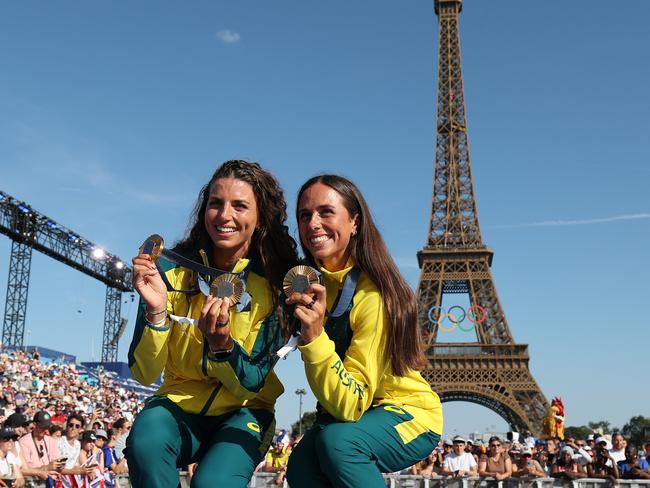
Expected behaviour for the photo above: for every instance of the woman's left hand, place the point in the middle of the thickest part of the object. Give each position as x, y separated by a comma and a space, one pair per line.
310, 310
215, 322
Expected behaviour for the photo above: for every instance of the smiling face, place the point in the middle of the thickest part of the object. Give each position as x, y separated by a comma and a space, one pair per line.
230, 219
459, 448
618, 442
326, 226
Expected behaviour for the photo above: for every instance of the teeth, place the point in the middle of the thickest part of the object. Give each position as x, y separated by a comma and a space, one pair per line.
225, 229
319, 239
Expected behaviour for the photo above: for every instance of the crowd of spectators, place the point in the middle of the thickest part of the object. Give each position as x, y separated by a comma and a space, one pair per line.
60, 425
69, 428
598, 456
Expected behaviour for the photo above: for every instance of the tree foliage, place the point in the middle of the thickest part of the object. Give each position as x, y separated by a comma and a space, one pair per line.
637, 430
308, 419
602, 425
577, 432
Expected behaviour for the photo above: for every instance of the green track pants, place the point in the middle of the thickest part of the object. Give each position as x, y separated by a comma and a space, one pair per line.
228, 447
354, 454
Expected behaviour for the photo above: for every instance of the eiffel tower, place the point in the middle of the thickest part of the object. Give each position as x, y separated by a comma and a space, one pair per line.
493, 371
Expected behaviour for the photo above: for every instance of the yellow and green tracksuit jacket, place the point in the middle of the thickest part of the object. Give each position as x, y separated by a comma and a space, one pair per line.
348, 367
195, 382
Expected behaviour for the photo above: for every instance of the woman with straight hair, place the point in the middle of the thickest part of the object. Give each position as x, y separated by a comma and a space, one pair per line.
216, 403
360, 344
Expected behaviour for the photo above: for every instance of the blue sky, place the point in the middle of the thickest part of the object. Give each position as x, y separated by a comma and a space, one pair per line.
113, 115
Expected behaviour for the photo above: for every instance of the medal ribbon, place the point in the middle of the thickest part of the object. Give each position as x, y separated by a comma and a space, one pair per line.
202, 270
342, 303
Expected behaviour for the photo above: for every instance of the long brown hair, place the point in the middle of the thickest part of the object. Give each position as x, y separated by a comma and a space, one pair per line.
271, 240
369, 252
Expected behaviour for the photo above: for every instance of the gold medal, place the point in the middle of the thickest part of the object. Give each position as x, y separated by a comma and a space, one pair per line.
299, 278
153, 246
228, 286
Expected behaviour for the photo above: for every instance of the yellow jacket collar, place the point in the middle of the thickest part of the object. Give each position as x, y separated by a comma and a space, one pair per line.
240, 265
338, 276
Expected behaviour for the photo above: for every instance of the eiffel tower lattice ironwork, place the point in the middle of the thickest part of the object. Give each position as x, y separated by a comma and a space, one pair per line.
493, 371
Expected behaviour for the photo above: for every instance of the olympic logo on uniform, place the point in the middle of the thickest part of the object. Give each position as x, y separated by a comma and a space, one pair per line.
475, 314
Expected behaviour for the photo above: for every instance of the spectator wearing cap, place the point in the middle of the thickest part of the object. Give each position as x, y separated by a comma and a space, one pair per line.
591, 440
496, 463
459, 462
526, 466
91, 458
447, 448
278, 456
39, 450
565, 467
102, 438
9, 463
602, 465
18, 422
582, 452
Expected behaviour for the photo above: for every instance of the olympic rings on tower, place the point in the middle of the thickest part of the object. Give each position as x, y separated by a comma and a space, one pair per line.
475, 313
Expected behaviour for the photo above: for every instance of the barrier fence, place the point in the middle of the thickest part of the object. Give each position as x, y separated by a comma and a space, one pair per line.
266, 480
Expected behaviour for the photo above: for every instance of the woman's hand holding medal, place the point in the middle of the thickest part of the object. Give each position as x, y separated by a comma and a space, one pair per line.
214, 323
310, 310
151, 287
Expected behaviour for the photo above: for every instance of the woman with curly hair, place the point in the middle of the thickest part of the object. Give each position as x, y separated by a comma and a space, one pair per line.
360, 345
215, 405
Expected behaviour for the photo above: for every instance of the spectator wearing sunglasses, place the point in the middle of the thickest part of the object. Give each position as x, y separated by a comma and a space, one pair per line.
496, 463
40, 452
69, 445
9, 464
527, 467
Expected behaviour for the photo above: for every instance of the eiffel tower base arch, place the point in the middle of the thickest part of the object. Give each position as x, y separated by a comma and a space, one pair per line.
494, 376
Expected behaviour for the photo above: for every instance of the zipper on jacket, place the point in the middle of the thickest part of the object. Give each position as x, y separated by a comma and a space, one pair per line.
207, 405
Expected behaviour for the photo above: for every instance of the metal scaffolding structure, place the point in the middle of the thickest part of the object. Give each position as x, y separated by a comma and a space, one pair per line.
17, 288
29, 229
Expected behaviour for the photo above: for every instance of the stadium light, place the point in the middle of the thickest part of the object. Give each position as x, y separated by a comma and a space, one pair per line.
99, 253
119, 265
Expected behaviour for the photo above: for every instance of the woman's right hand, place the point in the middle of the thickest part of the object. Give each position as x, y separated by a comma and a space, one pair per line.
148, 283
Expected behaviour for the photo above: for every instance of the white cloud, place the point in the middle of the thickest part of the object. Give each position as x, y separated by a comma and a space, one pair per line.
556, 223
228, 37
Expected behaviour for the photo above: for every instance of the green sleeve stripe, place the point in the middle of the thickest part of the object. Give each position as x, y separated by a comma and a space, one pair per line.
140, 324
252, 369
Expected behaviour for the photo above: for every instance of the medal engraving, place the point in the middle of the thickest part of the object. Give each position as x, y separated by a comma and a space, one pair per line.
299, 278
228, 286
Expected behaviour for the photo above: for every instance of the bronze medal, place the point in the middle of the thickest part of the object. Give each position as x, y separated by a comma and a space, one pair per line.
299, 278
228, 286
153, 246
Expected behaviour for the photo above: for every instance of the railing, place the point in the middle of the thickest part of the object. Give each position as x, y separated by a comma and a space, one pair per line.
478, 350
267, 480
